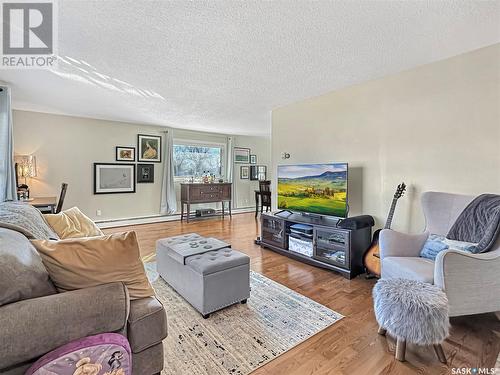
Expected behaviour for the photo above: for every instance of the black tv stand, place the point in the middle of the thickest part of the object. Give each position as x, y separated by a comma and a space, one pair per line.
333, 248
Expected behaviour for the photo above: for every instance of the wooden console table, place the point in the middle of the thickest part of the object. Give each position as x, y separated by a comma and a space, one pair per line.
194, 193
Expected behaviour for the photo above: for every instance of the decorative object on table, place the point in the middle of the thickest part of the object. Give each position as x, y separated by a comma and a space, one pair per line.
25, 166
244, 172
253, 159
412, 311
124, 153
149, 148
108, 352
114, 178
145, 173
219, 346
371, 259
241, 155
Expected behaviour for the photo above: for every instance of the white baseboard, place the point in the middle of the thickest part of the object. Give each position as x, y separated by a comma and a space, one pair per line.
153, 219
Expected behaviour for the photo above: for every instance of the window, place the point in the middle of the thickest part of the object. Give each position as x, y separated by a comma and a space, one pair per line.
193, 159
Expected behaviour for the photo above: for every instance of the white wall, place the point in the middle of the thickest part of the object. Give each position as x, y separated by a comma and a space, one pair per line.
436, 127
66, 148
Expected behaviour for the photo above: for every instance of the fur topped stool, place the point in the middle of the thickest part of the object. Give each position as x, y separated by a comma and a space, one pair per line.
412, 311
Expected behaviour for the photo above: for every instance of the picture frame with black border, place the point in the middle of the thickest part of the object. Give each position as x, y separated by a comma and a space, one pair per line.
114, 178
244, 172
253, 159
125, 153
145, 173
149, 148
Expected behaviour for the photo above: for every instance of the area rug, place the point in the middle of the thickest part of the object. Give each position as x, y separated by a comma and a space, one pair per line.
241, 338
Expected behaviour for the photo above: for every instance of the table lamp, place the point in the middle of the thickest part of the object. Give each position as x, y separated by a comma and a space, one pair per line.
25, 168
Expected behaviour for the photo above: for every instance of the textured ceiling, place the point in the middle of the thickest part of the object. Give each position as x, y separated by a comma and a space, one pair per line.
224, 65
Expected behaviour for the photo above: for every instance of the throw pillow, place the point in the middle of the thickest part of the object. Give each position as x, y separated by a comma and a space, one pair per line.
73, 223
437, 243
25, 219
78, 263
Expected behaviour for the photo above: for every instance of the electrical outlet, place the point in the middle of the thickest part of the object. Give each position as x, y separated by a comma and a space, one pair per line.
98, 213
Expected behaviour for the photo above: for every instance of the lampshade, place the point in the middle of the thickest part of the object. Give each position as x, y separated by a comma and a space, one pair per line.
26, 165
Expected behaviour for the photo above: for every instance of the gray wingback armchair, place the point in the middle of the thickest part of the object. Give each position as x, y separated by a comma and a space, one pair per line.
470, 281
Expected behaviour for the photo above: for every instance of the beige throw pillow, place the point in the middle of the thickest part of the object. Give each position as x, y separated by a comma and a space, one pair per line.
85, 262
72, 223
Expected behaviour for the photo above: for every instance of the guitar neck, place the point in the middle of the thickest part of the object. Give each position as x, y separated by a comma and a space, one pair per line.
391, 214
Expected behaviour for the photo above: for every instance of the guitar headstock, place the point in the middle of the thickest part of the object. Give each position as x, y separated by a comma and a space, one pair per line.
400, 190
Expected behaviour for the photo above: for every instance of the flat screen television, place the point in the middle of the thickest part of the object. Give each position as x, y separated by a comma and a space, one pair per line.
313, 188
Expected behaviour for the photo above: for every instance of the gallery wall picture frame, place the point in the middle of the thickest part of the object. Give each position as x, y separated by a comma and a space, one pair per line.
241, 155
145, 173
149, 148
253, 159
244, 172
114, 178
125, 153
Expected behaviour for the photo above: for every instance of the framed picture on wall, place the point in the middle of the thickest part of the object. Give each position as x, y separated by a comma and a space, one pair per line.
244, 172
124, 153
149, 148
145, 173
261, 173
114, 178
253, 159
241, 155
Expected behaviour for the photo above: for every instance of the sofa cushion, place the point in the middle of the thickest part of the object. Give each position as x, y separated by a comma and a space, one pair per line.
22, 274
72, 223
25, 219
413, 268
78, 263
215, 261
147, 323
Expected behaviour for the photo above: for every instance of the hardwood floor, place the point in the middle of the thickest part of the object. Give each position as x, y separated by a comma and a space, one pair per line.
351, 346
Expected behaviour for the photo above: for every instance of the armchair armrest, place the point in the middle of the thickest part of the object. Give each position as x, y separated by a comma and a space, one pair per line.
397, 244
33, 327
470, 281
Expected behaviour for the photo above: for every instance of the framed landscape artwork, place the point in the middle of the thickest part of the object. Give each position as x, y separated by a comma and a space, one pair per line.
114, 178
244, 172
241, 155
149, 148
145, 173
124, 153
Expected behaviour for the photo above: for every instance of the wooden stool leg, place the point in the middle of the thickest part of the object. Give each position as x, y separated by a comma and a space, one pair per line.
440, 353
382, 331
400, 350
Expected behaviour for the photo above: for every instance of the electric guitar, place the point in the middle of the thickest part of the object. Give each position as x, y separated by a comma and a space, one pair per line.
371, 259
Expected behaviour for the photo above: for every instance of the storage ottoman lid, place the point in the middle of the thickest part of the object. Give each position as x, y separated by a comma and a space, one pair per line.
215, 261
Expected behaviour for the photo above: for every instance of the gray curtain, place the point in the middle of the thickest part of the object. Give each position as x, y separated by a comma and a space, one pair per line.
8, 188
168, 204
229, 159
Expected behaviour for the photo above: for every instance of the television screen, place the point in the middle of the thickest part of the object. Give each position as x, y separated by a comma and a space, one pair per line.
313, 188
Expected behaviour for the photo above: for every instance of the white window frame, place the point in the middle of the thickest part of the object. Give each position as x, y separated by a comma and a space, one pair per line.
197, 142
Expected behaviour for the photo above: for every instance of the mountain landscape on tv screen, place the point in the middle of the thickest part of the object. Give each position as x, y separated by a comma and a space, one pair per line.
323, 193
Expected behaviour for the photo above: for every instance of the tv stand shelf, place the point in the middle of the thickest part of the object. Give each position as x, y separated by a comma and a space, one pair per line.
333, 248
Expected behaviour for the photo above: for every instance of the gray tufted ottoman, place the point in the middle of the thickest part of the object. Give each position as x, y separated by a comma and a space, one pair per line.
412, 311
209, 280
